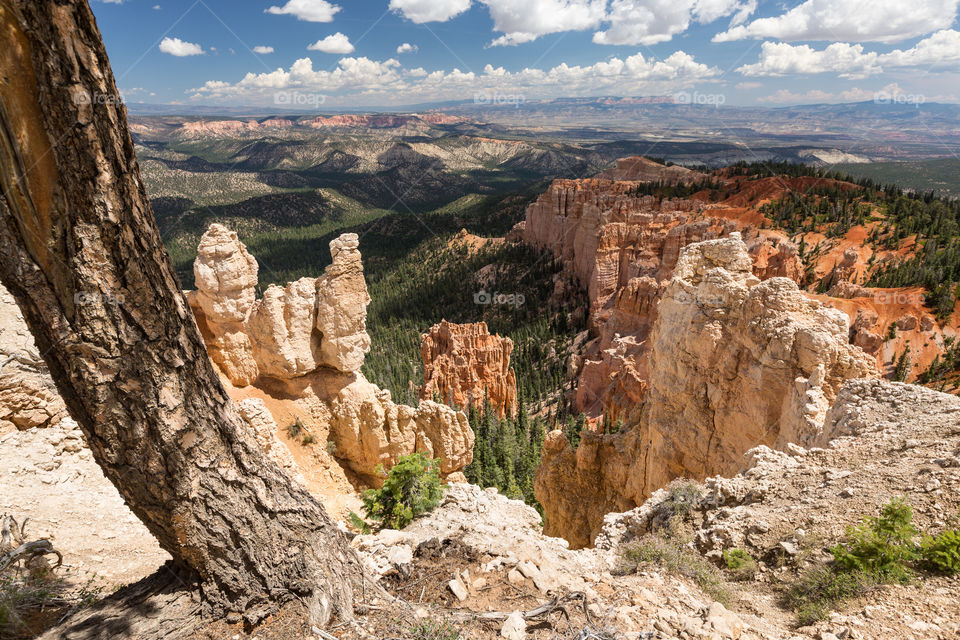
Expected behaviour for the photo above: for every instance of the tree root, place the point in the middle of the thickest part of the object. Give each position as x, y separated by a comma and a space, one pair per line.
162, 606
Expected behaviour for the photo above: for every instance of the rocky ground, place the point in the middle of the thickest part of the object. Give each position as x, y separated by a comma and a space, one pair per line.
49, 476
479, 563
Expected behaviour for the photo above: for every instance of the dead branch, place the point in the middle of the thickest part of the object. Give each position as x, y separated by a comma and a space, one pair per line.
28, 551
416, 582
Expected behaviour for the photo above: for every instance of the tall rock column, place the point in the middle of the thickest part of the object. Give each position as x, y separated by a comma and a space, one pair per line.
226, 279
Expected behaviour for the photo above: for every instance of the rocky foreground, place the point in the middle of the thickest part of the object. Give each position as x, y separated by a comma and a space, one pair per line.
784, 509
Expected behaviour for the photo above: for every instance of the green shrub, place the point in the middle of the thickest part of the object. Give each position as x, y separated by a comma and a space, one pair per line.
358, 523
881, 547
821, 588
682, 497
941, 553
433, 630
667, 551
412, 487
739, 563
294, 429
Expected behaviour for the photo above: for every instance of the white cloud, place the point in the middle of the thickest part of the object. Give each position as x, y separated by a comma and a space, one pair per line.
309, 10
941, 49
785, 96
156, 7
527, 20
262, 49
179, 48
383, 82
653, 21
406, 47
335, 43
780, 58
853, 94
420, 11
853, 20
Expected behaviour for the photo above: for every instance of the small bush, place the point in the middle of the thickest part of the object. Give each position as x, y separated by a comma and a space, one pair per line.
941, 553
881, 546
307, 439
682, 497
820, 589
880, 550
331, 447
295, 429
433, 630
678, 559
358, 523
412, 487
739, 563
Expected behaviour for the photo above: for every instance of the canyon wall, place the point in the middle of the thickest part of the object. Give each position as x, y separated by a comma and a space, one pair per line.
622, 248
299, 350
734, 362
463, 365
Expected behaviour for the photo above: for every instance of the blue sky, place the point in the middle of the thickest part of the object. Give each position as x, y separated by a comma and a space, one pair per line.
333, 54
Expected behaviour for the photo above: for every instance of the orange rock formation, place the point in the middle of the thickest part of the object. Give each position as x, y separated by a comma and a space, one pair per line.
464, 365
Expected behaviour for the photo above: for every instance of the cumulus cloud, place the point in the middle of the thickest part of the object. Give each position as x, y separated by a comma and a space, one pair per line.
653, 21
780, 58
941, 49
386, 81
262, 49
335, 43
421, 11
628, 21
308, 10
179, 48
406, 47
853, 20
528, 20
785, 96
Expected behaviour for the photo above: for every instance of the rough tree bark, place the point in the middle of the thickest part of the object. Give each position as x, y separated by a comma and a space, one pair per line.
81, 252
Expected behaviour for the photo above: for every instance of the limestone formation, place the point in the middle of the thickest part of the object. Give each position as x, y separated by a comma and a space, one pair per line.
342, 301
225, 275
282, 328
28, 397
304, 345
463, 365
226, 280
734, 363
292, 330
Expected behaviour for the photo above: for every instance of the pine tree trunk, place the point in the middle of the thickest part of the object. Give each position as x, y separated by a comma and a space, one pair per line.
81, 252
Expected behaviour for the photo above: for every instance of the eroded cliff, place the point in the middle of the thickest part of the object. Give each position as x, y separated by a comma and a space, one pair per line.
734, 363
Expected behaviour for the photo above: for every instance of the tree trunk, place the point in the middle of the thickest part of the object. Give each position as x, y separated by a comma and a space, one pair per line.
81, 252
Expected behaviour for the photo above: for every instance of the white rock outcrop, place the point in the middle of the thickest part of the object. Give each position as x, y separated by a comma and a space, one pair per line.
305, 343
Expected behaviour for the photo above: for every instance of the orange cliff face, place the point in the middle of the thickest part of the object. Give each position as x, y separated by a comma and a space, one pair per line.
622, 247
463, 365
